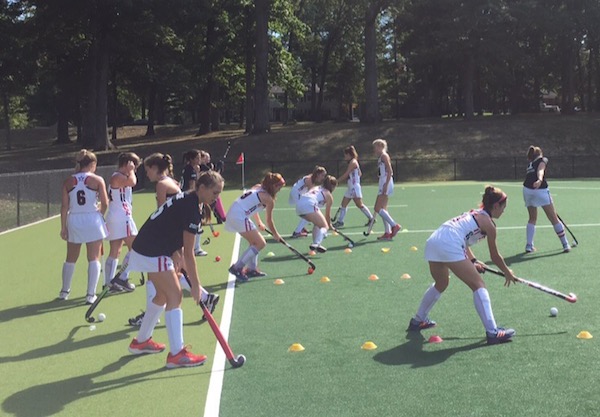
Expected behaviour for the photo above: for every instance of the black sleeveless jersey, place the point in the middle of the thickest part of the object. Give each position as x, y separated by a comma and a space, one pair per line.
531, 175
162, 234
187, 174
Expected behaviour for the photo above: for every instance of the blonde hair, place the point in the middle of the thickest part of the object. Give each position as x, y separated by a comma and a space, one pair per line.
84, 158
318, 170
209, 179
491, 196
382, 143
330, 183
534, 152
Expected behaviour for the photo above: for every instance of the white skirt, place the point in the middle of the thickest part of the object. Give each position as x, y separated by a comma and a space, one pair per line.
353, 191
86, 227
120, 226
390, 187
237, 222
537, 197
141, 263
445, 245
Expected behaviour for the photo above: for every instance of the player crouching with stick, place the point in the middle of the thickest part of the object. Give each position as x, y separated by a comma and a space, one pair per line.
308, 207
172, 226
448, 248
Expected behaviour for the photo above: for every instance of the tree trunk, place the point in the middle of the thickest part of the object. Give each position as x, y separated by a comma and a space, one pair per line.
313, 94
249, 64
568, 79
261, 85
469, 79
151, 110
115, 104
323, 74
6, 105
371, 90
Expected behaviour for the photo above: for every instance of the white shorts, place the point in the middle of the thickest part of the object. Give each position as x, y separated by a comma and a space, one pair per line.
537, 198
445, 245
120, 227
238, 222
306, 206
86, 227
353, 191
141, 263
390, 187
295, 194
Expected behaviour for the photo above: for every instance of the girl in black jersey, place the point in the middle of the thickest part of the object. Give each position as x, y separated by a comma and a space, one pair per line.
189, 174
536, 194
172, 226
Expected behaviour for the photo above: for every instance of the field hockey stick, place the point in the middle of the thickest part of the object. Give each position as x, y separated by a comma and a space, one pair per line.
227, 150
334, 218
370, 227
235, 361
575, 242
290, 247
571, 298
346, 238
116, 280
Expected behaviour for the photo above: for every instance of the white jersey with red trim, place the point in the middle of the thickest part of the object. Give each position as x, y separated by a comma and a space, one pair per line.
467, 227
120, 199
81, 198
354, 176
249, 203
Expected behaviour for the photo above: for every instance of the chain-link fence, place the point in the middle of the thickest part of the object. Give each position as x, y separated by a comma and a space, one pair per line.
30, 196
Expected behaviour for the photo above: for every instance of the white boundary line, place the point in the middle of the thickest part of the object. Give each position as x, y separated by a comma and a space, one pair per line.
29, 224
349, 207
215, 385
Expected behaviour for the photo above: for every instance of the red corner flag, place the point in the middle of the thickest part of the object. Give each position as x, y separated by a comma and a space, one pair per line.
240, 159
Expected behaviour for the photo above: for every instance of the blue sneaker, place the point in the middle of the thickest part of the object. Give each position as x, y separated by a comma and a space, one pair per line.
239, 274
416, 325
500, 335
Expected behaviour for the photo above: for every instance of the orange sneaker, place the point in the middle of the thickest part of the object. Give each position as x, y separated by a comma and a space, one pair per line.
184, 359
385, 236
395, 230
149, 346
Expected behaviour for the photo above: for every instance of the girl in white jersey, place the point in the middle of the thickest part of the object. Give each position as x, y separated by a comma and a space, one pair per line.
82, 222
354, 190
449, 249
386, 189
260, 197
308, 208
119, 219
302, 186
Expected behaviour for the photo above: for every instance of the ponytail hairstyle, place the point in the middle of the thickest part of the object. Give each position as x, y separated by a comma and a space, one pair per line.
125, 157
382, 143
163, 162
271, 181
534, 152
190, 155
84, 159
491, 196
351, 150
209, 179
317, 172
330, 183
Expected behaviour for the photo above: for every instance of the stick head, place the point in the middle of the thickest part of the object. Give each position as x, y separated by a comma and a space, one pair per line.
310, 270
238, 361
350, 245
572, 298
90, 319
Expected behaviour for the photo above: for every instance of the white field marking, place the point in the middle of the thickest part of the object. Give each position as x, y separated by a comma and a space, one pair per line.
215, 385
551, 187
30, 224
349, 207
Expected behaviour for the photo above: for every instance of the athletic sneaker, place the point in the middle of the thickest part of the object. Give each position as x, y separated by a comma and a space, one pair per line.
123, 283
396, 229
211, 302
385, 236
500, 335
184, 359
566, 248
338, 224
372, 219
318, 248
239, 274
63, 295
302, 233
149, 346
113, 288
416, 325
200, 253
254, 273
305, 231
137, 320
90, 298
529, 248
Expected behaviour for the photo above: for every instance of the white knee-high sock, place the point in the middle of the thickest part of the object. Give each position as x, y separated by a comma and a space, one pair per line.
150, 292
318, 235
342, 215
67, 276
429, 299
386, 217
560, 232
125, 273
246, 257
174, 322
483, 305
153, 312
110, 269
93, 276
301, 225
366, 212
530, 233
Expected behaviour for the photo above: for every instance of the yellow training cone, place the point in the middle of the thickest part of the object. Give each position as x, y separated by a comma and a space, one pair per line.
414, 248
270, 254
584, 335
325, 279
347, 250
312, 253
405, 276
369, 346
335, 233
279, 281
385, 250
296, 347
373, 277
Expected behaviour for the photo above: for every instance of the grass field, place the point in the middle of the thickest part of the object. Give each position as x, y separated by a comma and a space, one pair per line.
53, 364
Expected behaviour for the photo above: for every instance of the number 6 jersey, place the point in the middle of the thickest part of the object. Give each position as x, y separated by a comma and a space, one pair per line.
81, 198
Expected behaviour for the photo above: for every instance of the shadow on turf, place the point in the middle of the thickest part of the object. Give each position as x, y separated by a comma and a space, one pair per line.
412, 353
524, 257
52, 397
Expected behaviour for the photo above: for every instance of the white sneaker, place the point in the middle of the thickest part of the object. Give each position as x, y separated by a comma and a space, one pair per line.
63, 295
90, 298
